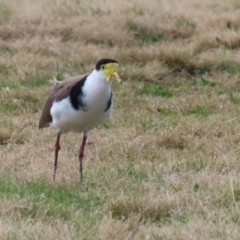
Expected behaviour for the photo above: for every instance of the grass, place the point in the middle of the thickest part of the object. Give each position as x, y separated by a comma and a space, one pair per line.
155, 90
165, 165
143, 34
45, 201
5, 12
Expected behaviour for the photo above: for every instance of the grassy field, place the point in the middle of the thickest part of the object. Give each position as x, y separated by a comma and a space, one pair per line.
166, 164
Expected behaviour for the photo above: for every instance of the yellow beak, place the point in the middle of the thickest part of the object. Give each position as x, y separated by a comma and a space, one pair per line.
111, 72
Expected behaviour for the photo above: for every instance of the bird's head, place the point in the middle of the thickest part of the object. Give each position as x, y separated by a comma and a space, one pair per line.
110, 68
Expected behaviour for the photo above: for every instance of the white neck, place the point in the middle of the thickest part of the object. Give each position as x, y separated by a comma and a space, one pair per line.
98, 77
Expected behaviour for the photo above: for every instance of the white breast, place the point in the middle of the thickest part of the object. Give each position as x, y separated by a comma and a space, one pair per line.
97, 93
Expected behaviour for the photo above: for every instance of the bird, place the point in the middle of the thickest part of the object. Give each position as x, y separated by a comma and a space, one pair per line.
79, 104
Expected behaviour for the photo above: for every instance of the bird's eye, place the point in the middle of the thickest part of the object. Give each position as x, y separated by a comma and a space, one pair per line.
102, 67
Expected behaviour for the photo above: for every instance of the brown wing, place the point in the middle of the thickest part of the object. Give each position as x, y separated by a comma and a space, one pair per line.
60, 91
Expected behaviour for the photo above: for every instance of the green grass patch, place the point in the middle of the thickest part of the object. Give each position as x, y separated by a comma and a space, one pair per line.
143, 34
66, 34
5, 12
183, 22
125, 209
43, 200
199, 162
9, 108
8, 82
29, 82
205, 82
160, 214
156, 90
35, 81
59, 76
7, 51
139, 10
231, 68
140, 175
101, 41
227, 196
196, 187
107, 124
96, 11
227, 45
200, 110
167, 112
232, 97
4, 69
236, 218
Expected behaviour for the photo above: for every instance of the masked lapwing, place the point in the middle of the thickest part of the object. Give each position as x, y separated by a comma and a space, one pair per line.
79, 104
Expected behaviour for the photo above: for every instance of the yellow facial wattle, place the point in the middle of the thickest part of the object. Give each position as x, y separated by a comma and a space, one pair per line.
110, 70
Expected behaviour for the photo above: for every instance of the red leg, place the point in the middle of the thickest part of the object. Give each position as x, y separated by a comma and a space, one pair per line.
81, 155
57, 148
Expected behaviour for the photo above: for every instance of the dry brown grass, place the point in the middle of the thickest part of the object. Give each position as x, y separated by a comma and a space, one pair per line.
166, 163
